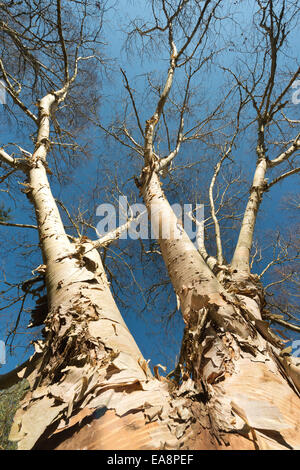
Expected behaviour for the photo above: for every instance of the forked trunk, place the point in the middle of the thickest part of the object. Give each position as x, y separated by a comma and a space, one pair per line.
248, 387
90, 387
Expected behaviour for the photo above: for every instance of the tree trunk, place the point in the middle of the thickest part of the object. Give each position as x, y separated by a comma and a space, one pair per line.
90, 387
249, 387
89, 362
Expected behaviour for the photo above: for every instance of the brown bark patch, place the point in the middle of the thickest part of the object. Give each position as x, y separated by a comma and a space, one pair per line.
109, 432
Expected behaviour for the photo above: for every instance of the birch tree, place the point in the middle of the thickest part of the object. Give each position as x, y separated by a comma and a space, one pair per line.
89, 385
229, 353
84, 328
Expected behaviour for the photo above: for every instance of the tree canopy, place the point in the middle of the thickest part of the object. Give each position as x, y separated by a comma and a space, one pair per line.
131, 107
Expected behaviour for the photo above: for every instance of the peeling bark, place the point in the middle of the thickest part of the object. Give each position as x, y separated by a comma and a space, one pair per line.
249, 392
89, 361
90, 387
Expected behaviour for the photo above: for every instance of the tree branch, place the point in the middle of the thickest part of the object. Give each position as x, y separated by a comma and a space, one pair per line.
133, 102
285, 155
284, 175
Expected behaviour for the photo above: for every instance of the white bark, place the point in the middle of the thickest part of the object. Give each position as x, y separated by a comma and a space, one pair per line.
85, 332
227, 348
213, 212
241, 257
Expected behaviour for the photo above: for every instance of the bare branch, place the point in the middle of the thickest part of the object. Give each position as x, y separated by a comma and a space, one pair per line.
14, 94
10, 224
212, 208
278, 319
284, 175
115, 234
287, 154
16, 163
62, 41
133, 102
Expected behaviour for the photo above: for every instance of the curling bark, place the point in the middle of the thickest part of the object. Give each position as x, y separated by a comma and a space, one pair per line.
89, 367
231, 360
229, 356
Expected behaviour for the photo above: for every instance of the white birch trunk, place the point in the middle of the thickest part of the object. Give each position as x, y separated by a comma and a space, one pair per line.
233, 358
241, 255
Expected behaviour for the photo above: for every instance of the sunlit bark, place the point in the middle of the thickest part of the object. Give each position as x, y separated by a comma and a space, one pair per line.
90, 387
